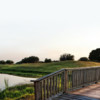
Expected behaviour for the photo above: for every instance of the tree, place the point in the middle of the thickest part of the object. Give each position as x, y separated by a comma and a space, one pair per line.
9, 62
47, 60
31, 59
83, 59
65, 57
95, 55
2, 62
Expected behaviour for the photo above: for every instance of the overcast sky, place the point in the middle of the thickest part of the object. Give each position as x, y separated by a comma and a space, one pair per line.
48, 28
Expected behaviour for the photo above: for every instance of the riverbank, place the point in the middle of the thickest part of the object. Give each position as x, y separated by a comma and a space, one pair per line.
37, 70
19, 92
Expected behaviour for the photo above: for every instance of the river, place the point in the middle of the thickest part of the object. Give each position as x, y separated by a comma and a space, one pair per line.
13, 80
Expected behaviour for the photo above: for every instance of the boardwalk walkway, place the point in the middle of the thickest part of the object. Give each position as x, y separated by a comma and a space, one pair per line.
91, 92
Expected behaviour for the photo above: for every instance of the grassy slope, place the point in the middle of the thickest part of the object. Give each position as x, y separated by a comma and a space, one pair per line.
41, 69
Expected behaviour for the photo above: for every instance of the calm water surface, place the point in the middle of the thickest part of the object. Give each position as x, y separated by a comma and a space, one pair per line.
13, 80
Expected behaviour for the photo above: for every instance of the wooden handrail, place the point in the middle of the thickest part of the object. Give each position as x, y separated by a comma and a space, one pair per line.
65, 80
49, 75
80, 68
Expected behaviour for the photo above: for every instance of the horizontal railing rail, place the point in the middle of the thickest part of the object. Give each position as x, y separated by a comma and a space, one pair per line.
49, 75
65, 80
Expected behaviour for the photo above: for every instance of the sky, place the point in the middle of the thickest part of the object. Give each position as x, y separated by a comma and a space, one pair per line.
48, 28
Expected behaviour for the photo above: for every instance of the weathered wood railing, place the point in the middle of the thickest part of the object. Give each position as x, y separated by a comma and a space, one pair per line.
49, 85
81, 77
65, 80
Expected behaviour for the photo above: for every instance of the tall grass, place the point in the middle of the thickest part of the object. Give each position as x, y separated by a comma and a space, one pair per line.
17, 92
6, 81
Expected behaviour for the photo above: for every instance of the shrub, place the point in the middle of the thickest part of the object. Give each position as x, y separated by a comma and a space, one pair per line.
29, 90
31, 59
83, 59
2, 62
65, 57
9, 62
18, 62
47, 60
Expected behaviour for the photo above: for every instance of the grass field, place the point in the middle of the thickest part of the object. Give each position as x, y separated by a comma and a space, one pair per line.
41, 69
26, 92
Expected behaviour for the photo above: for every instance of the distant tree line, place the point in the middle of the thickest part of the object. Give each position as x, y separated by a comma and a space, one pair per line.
94, 55
6, 62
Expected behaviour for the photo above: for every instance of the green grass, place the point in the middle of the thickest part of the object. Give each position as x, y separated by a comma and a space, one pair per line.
41, 69
19, 92
26, 92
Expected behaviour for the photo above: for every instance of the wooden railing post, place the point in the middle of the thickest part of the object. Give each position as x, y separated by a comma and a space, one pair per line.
83, 85
65, 81
38, 89
96, 75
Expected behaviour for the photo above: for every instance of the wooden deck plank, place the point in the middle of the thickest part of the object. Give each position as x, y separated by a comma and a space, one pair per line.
73, 97
91, 92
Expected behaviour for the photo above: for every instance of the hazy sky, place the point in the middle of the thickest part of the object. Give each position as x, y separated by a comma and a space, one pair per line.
48, 28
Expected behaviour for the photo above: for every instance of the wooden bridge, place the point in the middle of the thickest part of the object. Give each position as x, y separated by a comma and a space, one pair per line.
69, 84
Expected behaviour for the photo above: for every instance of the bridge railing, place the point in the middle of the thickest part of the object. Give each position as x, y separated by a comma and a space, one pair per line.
81, 77
65, 80
49, 85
